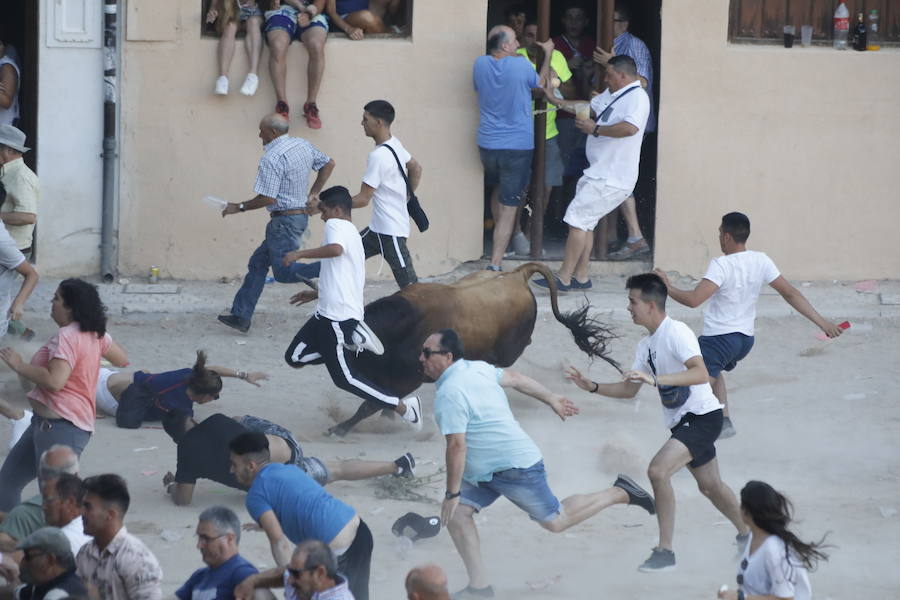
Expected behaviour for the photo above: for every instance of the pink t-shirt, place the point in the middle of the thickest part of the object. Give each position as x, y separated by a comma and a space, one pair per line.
82, 350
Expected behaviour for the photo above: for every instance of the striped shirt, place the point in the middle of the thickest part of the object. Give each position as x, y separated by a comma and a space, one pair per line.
284, 171
629, 45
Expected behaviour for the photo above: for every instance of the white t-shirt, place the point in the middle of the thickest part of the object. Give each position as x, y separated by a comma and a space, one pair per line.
74, 532
389, 215
740, 277
8, 115
671, 345
617, 159
343, 277
10, 257
769, 572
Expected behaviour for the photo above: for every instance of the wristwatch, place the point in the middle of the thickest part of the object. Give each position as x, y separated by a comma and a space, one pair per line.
596, 133
450, 495
241, 207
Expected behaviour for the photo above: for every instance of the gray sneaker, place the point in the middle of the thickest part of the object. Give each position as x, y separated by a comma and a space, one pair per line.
728, 429
660, 560
636, 494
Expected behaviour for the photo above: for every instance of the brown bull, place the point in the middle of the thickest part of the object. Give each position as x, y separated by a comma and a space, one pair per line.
494, 314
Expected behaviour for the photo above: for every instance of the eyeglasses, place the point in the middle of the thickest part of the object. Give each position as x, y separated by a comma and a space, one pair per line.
296, 573
32, 556
428, 352
740, 577
206, 539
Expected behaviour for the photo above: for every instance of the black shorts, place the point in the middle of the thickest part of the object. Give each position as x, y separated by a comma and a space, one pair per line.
355, 563
395, 253
699, 433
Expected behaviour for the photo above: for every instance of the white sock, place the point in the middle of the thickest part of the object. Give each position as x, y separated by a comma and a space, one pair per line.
632, 240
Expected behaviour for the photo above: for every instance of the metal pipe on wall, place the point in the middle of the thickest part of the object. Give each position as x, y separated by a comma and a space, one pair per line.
108, 257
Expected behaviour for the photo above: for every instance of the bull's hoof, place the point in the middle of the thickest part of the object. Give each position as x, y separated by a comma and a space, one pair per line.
337, 431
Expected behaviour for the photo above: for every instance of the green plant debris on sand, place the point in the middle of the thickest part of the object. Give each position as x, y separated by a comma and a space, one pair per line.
405, 488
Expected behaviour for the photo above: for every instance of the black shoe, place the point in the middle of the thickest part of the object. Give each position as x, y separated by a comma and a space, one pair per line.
470, 592
407, 465
636, 494
234, 322
660, 560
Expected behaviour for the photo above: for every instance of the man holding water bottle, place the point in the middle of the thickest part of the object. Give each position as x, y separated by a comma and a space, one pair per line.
282, 187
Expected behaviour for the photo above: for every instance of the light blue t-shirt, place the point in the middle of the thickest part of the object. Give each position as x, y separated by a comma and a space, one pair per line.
504, 100
470, 400
218, 583
303, 507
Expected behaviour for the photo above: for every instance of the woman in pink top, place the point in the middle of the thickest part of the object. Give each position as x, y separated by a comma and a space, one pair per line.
64, 372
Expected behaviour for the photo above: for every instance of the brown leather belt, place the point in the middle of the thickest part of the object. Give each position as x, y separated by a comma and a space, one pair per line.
286, 213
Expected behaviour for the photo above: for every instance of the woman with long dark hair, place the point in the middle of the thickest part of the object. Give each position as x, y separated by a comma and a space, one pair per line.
141, 396
64, 371
775, 562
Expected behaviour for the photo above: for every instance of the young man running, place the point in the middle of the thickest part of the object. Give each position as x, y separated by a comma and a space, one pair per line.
325, 337
732, 284
669, 360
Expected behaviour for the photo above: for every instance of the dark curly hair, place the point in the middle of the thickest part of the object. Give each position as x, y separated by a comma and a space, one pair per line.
84, 301
202, 380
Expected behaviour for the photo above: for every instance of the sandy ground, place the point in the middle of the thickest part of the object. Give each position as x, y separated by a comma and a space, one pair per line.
818, 420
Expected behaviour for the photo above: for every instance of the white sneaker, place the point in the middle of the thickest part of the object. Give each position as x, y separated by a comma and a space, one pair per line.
364, 338
413, 412
222, 86
250, 84
18, 428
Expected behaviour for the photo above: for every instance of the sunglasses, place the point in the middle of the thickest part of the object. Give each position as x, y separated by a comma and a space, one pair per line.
740, 577
32, 556
296, 573
428, 352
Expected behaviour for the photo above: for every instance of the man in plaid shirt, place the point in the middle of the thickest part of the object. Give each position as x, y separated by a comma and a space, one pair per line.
282, 187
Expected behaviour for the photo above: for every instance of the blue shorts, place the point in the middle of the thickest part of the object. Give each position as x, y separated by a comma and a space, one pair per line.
511, 169
285, 19
526, 488
722, 352
246, 13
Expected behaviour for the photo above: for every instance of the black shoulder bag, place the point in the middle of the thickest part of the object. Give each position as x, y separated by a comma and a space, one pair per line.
412, 202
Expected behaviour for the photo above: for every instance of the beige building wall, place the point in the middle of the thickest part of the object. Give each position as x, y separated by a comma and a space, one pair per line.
803, 140
180, 142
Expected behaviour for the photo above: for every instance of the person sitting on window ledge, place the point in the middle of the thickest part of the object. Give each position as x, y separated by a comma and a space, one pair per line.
359, 17
228, 15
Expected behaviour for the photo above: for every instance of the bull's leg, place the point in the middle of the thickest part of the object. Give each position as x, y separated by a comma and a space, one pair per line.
365, 410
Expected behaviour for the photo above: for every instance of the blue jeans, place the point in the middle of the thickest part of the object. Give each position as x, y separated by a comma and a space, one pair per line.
526, 488
282, 236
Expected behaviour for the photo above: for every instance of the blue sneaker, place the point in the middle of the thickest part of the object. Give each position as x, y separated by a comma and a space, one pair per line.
579, 285
560, 286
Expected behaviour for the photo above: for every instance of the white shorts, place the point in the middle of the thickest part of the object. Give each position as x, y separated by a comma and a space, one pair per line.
593, 200
105, 401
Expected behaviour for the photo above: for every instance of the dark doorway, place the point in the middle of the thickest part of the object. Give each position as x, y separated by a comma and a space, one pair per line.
645, 24
19, 29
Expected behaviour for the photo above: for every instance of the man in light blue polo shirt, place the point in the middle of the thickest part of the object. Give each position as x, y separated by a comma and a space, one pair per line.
489, 454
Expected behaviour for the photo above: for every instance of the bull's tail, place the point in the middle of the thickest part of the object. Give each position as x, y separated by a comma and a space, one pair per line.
591, 335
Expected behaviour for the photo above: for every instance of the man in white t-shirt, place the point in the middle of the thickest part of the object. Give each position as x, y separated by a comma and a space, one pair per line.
732, 285
669, 359
385, 183
613, 148
324, 337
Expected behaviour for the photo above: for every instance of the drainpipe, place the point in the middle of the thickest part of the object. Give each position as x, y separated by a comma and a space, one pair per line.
108, 258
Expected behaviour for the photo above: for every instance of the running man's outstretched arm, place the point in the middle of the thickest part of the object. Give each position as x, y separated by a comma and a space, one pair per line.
690, 298
621, 389
561, 405
798, 302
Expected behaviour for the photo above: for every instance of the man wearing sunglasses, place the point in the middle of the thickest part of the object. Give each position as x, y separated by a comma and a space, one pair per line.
489, 454
47, 569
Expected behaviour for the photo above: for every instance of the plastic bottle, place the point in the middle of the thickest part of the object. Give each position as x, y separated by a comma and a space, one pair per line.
873, 42
841, 26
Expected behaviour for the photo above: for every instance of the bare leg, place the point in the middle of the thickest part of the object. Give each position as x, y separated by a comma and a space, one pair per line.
671, 457
382, 8
718, 388
465, 537
495, 204
503, 227
278, 46
225, 50
314, 41
353, 470
575, 246
366, 20
253, 42
582, 270
629, 211
579, 507
711, 485
9, 412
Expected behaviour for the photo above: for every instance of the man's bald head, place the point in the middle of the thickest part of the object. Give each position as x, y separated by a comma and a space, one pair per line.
427, 582
56, 460
499, 37
272, 126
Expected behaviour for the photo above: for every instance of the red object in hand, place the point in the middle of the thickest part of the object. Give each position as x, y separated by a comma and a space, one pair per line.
844, 325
